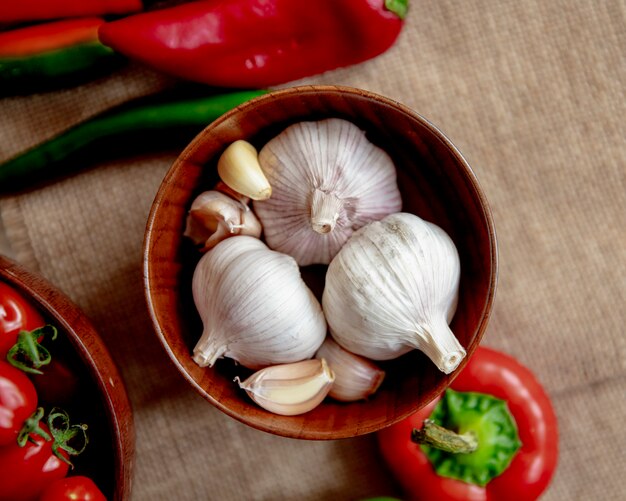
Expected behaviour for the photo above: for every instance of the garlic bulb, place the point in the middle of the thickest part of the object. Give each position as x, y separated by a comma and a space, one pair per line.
356, 378
393, 287
327, 181
290, 389
215, 216
254, 306
239, 168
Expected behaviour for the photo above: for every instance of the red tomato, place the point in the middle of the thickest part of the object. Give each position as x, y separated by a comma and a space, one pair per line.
25, 472
76, 488
16, 314
18, 401
531, 469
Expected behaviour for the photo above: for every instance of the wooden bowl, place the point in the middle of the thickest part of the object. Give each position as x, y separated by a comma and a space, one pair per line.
99, 398
436, 183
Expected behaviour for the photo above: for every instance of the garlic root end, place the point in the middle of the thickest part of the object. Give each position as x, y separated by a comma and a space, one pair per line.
325, 211
441, 345
205, 354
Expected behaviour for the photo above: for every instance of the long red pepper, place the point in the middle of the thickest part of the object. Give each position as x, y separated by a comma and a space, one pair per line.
12, 11
256, 43
48, 36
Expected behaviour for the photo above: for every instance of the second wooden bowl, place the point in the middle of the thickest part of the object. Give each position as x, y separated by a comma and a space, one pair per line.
98, 396
436, 183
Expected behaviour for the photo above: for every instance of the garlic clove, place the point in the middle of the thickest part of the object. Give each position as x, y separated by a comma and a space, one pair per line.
239, 168
214, 216
392, 288
356, 377
290, 389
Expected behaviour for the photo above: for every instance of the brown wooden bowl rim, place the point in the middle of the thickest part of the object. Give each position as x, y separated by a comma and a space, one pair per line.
97, 358
342, 91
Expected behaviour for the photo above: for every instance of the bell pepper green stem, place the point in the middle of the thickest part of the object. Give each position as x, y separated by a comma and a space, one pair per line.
443, 439
398, 7
484, 440
103, 132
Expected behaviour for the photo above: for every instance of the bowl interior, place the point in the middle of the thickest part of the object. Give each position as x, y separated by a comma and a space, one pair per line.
99, 399
435, 182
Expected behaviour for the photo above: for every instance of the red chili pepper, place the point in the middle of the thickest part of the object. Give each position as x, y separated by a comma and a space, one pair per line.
48, 36
532, 466
52, 55
256, 43
12, 11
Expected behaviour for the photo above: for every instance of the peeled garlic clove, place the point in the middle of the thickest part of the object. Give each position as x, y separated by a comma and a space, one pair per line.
254, 305
215, 216
239, 168
327, 180
290, 389
356, 378
392, 288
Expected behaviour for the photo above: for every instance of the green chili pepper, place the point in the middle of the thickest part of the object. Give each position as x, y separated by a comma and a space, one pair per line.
52, 55
129, 127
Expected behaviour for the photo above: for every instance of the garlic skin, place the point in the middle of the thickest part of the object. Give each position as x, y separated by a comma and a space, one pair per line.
356, 377
290, 389
214, 216
327, 180
392, 288
255, 307
239, 168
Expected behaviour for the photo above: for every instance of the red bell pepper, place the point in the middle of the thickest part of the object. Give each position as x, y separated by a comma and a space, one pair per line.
12, 11
497, 470
256, 43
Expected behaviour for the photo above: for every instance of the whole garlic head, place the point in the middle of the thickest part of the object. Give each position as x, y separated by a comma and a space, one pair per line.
255, 307
327, 181
392, 288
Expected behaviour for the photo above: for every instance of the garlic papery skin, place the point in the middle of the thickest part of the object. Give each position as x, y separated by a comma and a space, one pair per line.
290, 389
254, 305
327, 180
356, 377
239, 168
214, 216
392, 288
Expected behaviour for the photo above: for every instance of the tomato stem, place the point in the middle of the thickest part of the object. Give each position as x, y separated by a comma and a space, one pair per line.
62, 433
446, 440
31, 425
28, 354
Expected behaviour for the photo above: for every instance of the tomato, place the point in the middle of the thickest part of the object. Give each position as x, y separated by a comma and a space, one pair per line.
531, 469
25, 472
16, 314
18, 401
76, 488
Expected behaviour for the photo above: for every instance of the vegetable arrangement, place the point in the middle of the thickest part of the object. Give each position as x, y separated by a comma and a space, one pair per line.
244, 44
35, 452
323, 193
506, 445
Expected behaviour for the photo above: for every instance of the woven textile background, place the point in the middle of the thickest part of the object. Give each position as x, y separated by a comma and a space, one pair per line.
533, 93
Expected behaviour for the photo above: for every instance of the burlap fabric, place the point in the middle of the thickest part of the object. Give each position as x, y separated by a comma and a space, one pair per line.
533, 93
